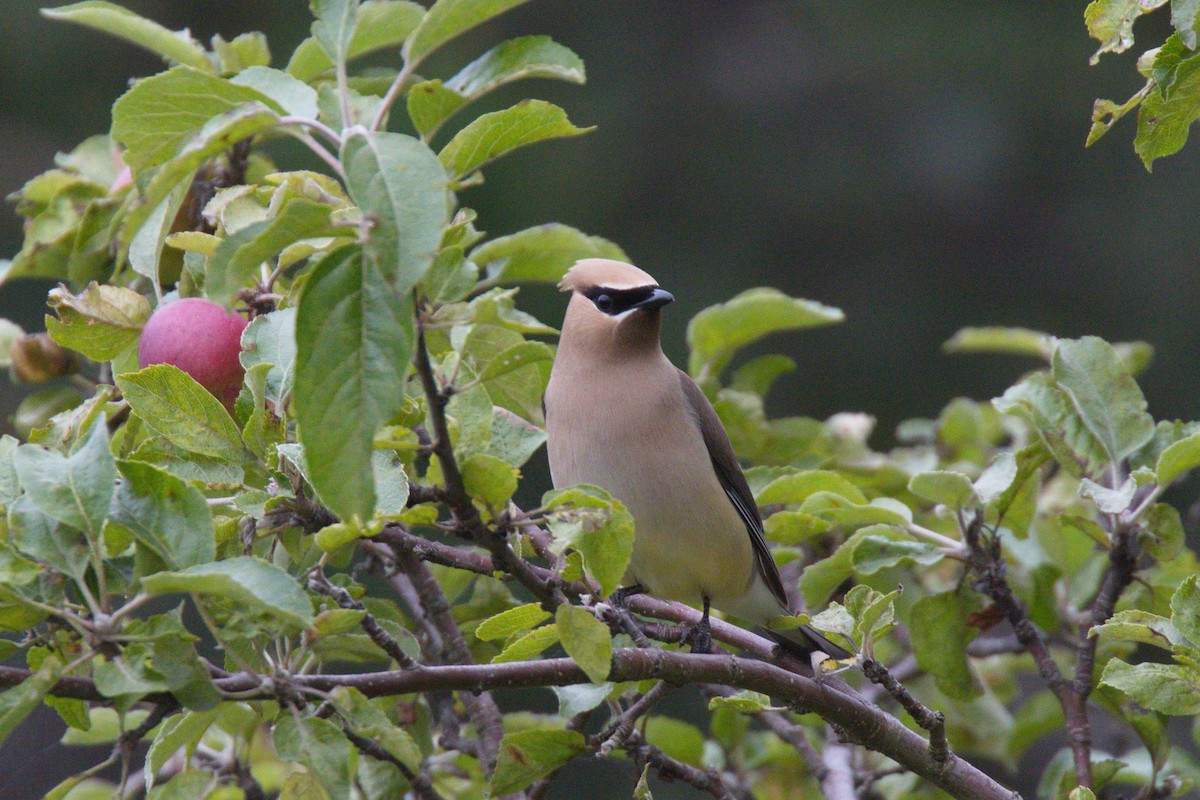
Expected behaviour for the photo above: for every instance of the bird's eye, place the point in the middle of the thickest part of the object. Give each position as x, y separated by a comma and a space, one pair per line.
604, 303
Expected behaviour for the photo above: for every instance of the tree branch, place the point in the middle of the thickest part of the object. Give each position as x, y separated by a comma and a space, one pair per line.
642, 752
932, 721
869, 725
418, 781
480, 707
838, 781
382, 639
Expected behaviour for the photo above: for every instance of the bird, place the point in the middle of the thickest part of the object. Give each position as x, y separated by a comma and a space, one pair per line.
621, 416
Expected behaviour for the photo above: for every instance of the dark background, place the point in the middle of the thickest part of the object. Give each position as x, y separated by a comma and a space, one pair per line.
918, 164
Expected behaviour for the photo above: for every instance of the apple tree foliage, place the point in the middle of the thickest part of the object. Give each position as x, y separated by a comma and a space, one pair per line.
323, 591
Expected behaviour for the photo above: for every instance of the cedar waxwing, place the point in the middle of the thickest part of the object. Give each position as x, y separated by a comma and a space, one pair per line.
620, 416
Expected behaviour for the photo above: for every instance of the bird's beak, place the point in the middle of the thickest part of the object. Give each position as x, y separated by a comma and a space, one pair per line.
657, 299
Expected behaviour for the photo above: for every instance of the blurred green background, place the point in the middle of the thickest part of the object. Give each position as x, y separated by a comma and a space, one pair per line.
918, 164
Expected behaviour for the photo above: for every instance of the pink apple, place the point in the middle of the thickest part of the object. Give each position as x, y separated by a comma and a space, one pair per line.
201, 338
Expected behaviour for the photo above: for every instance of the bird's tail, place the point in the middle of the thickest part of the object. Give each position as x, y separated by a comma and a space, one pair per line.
803, 641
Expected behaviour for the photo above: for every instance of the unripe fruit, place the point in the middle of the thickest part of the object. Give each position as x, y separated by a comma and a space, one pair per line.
36, 358
201, 338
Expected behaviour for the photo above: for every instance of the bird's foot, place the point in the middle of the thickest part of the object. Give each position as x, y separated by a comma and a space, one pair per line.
617, 599
701, 634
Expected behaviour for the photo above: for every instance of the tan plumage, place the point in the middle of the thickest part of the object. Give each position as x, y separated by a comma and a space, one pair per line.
619, 415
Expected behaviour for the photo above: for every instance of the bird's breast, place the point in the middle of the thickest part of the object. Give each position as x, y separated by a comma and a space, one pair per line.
637, 439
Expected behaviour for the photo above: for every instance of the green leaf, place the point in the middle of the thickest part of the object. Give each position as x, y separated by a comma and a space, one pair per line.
180, 732
101, 322
18, 702
399, 181
431, 103
745, 702
951, 489
542, 254
236, 262
511, 621
514, 358
526, 756
1163, 536
794, 527
320, 746
800, 486
188, 466
1183, 20
1164, 121
492, 135
173, 405
147, 227
354, 342
758, 375
1104, 394
75, 490
1110, 22
1180, 457
586, 639
1138, 626
489, 479
271, 339
160, 113
718, 332
598, 526
940, 635
514, 439
1081, 793
818, 580
215, 137
379, 24
244, 52
334, 27
447, 19
1185, 609
47, 540
874, 553
172, 45
184, 786
580, 697
1012, 341
524, 57
641, 791
676, 738
295, 98
391, 484
247, 582
1172, 689
165, 514
997, 478
1048, 409
1110, 501
528, 645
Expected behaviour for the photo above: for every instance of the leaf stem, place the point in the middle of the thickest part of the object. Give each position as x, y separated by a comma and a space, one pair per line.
392, 93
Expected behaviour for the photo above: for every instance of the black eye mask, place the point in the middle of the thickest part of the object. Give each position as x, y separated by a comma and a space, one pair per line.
617, 301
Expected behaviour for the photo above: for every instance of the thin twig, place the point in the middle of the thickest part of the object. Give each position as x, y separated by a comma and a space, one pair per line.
642, 752
417, 780
838, 781
481, 707
619, 729
932, 721
384, 640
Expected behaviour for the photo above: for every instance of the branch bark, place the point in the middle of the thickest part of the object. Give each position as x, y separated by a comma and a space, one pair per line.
867, 724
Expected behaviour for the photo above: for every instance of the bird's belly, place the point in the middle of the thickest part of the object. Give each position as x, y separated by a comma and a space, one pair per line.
689, 541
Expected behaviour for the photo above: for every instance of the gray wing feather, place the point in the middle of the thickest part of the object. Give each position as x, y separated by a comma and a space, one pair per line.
729, 472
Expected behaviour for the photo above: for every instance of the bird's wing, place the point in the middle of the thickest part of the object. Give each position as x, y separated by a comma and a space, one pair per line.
729, 473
